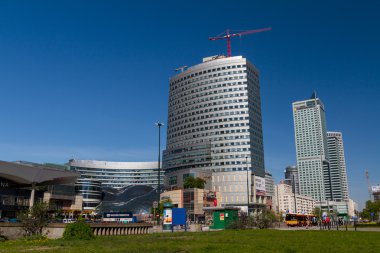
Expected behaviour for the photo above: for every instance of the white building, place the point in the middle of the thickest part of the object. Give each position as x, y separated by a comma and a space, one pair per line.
320, 154
118, 174
339, 208
215, 128
311, 147
288, 202
338, 174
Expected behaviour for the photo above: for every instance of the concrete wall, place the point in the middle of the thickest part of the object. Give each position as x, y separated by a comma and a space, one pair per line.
14, 230
55, 230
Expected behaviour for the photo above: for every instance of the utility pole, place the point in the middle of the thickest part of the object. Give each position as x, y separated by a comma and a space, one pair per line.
159, 125
246, 162
294, 194
368, 185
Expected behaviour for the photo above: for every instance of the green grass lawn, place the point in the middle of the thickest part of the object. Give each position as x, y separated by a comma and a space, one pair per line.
226, 241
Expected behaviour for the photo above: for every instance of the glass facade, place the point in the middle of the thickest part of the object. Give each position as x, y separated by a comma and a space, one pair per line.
338, 174
118, 174
214, 122
14, 198
311, 147
91, 190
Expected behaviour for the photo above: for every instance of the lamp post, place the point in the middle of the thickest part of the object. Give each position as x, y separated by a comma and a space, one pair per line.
159, 125
294, 194
246, 162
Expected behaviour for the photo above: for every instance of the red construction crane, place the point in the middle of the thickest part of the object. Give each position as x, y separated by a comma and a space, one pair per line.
228, 35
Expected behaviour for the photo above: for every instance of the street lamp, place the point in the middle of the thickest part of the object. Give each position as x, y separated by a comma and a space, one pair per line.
246, 162
159, 125
294, 192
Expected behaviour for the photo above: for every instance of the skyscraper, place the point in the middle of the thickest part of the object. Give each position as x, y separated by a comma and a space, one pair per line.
311, 148
291, 178
338, 174
215, 127
320, 154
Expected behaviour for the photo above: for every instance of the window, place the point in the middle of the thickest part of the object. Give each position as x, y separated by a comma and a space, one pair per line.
173, 180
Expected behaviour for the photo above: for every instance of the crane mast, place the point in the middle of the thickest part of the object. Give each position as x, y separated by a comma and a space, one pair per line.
227, 35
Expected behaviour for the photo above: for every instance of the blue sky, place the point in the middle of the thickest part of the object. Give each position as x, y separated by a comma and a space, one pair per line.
88, 79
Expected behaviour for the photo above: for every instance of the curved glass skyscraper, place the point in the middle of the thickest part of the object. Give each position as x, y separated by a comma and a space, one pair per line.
215, 127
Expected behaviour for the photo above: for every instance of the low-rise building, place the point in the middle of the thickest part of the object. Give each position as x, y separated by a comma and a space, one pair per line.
23, 183
194, 200
289, 202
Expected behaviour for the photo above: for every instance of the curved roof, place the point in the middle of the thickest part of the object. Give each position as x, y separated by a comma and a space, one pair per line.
36, 174
113, 165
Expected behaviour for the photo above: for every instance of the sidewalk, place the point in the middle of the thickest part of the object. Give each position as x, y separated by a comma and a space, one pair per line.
340, 228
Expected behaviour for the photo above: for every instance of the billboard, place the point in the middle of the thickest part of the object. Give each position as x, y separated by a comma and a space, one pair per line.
168, 216
376, 189
179, 216
260, 186
117, 217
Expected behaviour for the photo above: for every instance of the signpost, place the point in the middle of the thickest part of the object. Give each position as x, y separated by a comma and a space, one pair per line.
155, 205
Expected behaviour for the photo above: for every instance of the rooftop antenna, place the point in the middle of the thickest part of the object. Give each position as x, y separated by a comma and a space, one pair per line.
182, 68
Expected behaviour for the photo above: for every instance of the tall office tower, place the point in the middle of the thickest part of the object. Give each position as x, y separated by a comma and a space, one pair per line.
269, 184
215, 128
311, 148
338, 174
291, 178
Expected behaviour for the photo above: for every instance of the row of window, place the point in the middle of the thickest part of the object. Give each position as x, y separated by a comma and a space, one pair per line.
199, 86
174, 107
195, 121
176, 130
114, 170
203, 72
226, 109
11, 200
177, 142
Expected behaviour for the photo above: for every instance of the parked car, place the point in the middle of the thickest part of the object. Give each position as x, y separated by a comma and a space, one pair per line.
68, 221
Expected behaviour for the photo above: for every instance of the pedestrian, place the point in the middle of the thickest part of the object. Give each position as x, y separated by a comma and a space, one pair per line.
328, 222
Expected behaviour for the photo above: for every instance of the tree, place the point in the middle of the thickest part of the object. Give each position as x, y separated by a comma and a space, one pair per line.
160, 209
264, 219
200, 183
317, 212
34, 219
191, 182
371, 207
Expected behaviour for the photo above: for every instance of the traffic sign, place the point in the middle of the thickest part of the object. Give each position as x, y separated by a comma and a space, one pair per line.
155, 204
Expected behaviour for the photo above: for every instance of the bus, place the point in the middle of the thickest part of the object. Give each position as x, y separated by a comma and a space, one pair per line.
293, 219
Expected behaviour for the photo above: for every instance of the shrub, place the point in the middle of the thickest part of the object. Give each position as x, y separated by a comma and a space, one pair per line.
238, 224
34, 219
78, 230
264, 219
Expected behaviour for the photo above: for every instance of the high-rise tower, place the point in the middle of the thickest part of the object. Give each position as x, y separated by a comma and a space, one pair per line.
291, 178
215, 127
311, 148
338, 174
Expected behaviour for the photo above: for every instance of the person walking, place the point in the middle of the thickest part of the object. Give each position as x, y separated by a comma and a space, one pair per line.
328, 222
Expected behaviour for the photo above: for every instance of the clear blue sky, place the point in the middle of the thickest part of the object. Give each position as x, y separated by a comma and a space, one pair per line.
88, 79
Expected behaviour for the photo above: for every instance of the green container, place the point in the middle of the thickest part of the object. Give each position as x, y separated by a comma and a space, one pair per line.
222, 218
